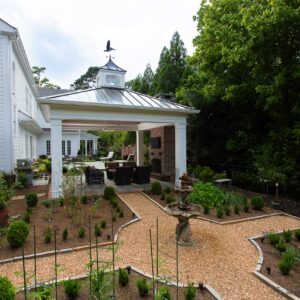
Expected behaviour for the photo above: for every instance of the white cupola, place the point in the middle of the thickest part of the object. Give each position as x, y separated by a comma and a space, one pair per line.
110, 75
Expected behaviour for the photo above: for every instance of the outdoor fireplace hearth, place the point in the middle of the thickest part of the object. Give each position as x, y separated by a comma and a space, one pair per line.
156, 165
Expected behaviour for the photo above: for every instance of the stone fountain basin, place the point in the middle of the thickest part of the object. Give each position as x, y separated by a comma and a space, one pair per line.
192, 210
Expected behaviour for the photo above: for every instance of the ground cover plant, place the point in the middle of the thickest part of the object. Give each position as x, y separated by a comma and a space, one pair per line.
282, 259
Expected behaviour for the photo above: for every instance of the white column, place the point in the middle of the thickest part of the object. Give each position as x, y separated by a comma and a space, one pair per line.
85, 148
180, 151
56, 157
139, 147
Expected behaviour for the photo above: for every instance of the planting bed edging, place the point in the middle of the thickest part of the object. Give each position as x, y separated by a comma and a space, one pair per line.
68, 250
210, 289
226, 222
276, 287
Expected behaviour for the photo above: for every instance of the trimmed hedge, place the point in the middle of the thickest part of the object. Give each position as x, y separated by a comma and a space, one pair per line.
17, 233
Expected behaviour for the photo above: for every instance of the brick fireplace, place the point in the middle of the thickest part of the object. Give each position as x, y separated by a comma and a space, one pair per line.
162, 152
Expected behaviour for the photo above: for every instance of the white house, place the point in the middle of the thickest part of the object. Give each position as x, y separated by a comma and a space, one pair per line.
23, 130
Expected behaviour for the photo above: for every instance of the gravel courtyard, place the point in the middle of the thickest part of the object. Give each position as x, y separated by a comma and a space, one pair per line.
221, 255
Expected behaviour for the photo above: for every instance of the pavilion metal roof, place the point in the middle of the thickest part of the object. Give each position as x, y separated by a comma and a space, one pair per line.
116, 97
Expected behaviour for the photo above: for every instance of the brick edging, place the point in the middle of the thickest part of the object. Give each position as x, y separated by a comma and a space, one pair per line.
272, 284
79, 248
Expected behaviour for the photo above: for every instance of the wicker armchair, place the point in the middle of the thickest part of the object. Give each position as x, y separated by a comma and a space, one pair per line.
142, 174
123, 175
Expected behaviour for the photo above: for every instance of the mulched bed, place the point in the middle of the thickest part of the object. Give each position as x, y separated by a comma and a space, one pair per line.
129, 292
43, 218
213, 214
272, 257
33, 188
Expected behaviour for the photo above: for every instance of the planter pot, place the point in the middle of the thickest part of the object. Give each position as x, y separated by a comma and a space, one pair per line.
3, 217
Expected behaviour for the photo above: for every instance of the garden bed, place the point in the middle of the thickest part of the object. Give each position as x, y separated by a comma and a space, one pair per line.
213, 212
129, 292
42, 217
272, 257
33, 188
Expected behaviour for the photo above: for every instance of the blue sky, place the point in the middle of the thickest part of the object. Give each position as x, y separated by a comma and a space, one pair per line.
69, 36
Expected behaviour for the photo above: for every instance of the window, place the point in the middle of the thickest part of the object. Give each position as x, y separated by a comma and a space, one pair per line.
112, 80
63, 147
69, 147
48, 147
27, 146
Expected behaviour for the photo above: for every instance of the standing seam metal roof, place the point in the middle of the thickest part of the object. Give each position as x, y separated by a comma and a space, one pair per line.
119, 97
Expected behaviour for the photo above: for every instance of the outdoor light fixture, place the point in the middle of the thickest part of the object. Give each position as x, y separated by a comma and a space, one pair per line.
133, 215
262, 239
201, 287
268, 270
128, 268
108, 236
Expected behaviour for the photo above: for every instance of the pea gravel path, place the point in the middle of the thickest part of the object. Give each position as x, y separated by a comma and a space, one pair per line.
221, 255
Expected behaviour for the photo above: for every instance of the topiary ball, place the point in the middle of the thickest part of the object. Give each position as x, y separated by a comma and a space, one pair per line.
7, 290
17, 233
31, 199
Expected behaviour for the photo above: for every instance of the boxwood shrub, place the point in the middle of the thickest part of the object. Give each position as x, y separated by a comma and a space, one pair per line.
156, 188
17, 233
257, 202
31, 199
7, 290
109, 193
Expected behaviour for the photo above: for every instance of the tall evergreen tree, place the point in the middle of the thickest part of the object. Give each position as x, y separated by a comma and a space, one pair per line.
87, 80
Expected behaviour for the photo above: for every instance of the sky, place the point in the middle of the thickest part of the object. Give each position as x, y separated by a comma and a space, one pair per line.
67, 37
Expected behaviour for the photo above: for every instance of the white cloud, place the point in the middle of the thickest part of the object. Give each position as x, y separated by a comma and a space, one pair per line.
69, 36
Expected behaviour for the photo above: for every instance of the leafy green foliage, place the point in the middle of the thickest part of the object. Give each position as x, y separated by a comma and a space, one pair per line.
143, 287
81, 232
123, 277
103, 224
84, 199
206, 194
285, 266
72, 288
17, 233
109, 193
101, 284
22, 179
156, 188
281, 246
86, 80
273, 238
170, 198
163, 293
287, 235
42, 82
65, 234
48, 235
248, 93
190, 292
7, 290
220, 212
31, 199
297, 234
97, 230
257, 202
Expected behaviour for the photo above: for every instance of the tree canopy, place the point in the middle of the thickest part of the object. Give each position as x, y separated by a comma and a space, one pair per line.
245, 79
37, 72
87, 80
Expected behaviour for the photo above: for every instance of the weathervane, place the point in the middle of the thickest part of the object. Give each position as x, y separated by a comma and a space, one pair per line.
108, 48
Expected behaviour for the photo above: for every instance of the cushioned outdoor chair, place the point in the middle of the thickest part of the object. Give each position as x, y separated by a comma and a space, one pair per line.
109, 157
130, 157
110, 169
142, 174
123, 175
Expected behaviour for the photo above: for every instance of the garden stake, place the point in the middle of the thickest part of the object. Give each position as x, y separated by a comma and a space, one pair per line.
152, 264
97, 253
55, 258
24, 274
34, 254
157, 252
90, 248
113, 252
177, 271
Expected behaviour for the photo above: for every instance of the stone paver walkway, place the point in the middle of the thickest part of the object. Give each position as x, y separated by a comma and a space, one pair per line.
221, 256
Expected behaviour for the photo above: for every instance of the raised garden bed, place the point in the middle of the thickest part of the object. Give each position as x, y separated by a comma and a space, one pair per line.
129, 292
43, 217
272, 257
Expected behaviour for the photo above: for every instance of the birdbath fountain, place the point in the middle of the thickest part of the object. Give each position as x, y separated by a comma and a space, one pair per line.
183, 211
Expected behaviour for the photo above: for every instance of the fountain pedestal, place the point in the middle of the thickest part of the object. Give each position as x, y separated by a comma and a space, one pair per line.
183, 211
